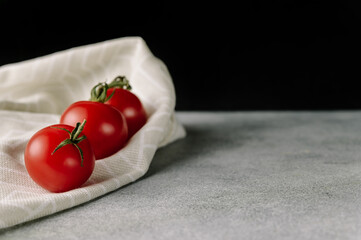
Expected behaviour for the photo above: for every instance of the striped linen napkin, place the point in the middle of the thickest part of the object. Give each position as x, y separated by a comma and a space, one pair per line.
34, 93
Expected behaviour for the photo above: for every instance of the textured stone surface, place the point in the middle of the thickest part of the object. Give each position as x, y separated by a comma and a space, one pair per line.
249, 175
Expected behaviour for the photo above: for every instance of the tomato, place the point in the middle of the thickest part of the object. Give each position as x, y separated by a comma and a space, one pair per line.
131, 107
55, 167
106, 127
118, 95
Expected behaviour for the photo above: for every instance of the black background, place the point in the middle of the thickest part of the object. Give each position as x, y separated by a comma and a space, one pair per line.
259, 55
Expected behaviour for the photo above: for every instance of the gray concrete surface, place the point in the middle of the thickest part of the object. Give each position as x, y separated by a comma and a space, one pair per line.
245, 175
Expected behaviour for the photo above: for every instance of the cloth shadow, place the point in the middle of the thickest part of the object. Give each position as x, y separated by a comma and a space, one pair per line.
203, 140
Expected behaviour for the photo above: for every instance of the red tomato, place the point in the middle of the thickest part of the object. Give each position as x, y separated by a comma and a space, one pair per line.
64, 169
106, 127
131, 107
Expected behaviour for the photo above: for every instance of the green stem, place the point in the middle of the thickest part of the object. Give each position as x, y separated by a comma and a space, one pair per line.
73, 139
120, 82
99, 91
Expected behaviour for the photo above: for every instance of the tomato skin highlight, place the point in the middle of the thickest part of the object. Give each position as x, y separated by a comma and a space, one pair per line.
131, 107
61, 171
106, 127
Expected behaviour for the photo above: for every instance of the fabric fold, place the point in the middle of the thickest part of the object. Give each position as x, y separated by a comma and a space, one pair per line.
34, 93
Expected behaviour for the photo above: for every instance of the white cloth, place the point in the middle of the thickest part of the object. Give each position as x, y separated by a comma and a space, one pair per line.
34, 93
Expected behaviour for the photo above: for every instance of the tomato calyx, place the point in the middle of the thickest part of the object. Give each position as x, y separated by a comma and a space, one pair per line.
120, 82
73, 139
99, 91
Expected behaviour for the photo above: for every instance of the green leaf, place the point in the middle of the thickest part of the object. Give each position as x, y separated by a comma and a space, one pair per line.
81, 154
63, 129
62, 144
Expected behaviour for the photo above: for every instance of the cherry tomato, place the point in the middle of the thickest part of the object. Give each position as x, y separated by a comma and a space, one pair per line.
106, 127
59, 168
131, 107
118, 94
